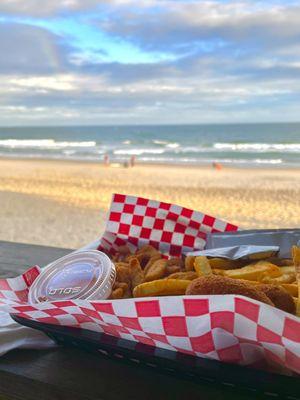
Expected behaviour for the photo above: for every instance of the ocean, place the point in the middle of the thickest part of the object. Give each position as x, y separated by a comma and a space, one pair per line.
236, 145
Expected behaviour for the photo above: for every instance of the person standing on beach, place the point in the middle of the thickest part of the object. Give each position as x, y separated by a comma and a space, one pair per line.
132, 161
106, 160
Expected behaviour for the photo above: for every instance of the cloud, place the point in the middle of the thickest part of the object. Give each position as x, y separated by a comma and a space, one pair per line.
195, 26
29, 49
224, 61
49, 7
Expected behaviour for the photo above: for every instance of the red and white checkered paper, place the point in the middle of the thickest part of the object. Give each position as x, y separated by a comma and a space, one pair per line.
172, 229
228, 328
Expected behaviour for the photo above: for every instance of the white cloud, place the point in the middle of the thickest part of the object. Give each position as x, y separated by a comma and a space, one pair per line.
44, 7
253, 73
58, 82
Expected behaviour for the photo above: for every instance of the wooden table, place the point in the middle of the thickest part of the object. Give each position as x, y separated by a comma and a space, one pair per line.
67, 373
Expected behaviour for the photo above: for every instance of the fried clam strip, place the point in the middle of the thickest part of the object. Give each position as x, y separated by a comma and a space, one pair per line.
156, 271
280, 297
161, 287
214, 284
174, 265
120, 290
296, 260
130, 274
146, 254
291, 288
136, 273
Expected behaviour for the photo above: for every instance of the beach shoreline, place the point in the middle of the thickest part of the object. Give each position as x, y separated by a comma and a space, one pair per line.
64, 203
120, 164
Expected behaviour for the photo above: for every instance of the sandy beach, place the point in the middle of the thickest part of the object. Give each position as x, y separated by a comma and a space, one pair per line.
64, 204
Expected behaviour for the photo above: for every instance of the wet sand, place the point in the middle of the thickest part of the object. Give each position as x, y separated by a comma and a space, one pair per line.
64, 204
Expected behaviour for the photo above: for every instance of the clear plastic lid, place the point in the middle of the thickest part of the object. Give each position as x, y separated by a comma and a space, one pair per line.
84, 275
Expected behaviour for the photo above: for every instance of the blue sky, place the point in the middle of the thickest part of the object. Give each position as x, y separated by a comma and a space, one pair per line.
148, 61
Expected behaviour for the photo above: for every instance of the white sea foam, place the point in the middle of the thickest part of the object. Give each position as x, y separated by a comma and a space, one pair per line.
173, 145
209, 161
259, 147
163, 142
42, 144
138, 152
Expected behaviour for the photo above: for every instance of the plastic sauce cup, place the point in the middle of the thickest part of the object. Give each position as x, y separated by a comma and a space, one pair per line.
86, 275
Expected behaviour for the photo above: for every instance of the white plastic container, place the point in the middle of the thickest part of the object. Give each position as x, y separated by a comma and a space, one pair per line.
86, 275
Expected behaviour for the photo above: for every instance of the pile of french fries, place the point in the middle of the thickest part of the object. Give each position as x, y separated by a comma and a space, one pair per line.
147, 273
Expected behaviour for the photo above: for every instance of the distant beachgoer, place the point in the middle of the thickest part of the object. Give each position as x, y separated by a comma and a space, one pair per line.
106, 160
125, 164
132, 161
217, 166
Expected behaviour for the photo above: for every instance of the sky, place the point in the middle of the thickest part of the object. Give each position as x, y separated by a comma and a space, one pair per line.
89, 62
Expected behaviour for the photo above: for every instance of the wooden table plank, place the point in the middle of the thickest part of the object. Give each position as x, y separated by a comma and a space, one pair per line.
70, 373
15, 258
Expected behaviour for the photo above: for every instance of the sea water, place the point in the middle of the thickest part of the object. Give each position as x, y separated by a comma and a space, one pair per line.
236, 145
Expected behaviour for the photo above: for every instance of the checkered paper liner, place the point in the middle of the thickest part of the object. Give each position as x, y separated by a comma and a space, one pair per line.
228, 328
172, 229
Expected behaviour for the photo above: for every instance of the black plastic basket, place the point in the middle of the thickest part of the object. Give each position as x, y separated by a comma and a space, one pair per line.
174, 363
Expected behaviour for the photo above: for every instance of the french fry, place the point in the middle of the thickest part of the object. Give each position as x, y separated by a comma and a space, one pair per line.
254, 272
281, 262
189, 263
202, 266
161, 287
217, 271
296, 261
288, 270
292, 288
190, 275
223, 263
284, 278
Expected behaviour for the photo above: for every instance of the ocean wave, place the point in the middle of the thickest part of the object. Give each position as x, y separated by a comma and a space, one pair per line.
171, 145
183, 160
259, 147
42, 144
162, 142
138, 152
156, 159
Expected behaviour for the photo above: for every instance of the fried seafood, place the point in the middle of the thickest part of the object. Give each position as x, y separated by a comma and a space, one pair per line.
147, 273
296, 261
156, 271
215, 284
280, 297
